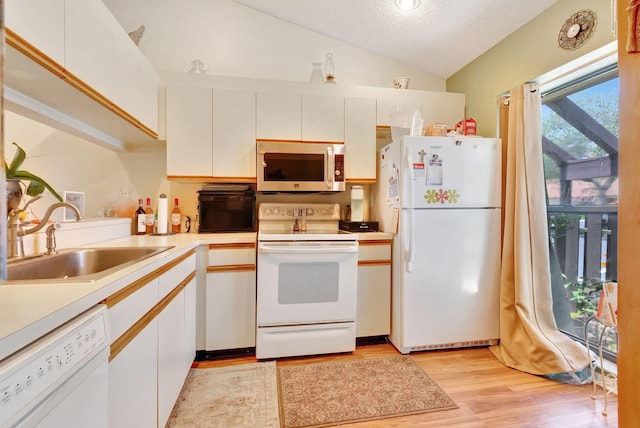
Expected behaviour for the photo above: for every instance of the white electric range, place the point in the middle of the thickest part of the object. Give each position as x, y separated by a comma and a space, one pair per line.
307, 281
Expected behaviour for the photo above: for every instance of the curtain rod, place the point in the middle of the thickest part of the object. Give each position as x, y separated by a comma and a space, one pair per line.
609, 51
606, 52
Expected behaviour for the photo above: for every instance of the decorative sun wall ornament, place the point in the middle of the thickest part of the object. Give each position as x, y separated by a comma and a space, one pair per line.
577, 29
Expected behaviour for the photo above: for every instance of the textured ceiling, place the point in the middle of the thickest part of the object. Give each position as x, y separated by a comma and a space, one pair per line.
440, 37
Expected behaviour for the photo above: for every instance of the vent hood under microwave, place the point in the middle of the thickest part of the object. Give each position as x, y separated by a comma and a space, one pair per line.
305, 166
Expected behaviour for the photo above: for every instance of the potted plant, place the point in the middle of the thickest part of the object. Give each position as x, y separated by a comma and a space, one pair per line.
14, 176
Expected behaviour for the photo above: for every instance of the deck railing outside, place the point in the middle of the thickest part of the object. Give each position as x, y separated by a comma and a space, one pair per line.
583, 254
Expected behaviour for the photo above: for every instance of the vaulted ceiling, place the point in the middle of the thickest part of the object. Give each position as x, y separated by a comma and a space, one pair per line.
439, 36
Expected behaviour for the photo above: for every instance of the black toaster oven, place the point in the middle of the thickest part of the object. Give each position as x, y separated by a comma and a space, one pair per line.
221, 211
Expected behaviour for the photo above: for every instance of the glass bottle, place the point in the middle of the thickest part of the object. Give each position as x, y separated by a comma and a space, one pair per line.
149, 217
175, 217
329, 69
141, 219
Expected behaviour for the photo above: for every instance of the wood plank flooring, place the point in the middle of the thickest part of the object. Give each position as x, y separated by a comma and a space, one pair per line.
488, 393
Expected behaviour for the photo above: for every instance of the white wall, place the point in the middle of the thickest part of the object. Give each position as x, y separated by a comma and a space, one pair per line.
70, 163
526, 54
234, 40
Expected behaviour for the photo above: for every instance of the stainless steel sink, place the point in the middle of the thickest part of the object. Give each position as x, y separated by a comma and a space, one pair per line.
80, 264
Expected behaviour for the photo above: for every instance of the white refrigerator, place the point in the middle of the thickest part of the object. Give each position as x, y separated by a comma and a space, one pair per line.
440, 196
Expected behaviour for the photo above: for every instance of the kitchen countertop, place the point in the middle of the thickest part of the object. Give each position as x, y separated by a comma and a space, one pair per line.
30, 310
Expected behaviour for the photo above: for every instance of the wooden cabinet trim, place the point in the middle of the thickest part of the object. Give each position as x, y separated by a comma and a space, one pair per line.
40, 58
233, 246
298, 141
211, 179
386, 262
364, 243
361, 180
121, 342
231, 268
128, 290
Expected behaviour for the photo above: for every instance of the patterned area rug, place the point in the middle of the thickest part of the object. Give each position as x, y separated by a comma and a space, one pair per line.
333, 393
244, 395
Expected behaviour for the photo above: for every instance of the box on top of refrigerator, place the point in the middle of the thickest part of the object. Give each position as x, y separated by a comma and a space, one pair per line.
467, 126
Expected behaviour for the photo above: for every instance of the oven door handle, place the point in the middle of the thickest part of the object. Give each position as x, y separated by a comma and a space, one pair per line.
295, 249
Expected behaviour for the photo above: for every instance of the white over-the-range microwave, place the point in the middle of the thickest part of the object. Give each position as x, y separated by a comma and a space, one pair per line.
289, 166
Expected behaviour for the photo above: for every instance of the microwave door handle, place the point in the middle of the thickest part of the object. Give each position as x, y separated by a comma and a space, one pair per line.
329, 176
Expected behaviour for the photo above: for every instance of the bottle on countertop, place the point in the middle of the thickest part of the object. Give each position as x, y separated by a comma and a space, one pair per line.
175, 217
141, 219
149, 218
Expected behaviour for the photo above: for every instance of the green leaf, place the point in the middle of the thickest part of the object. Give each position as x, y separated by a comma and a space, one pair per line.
16, 163
36, 184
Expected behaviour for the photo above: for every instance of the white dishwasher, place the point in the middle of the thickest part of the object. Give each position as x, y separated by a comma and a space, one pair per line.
61, 379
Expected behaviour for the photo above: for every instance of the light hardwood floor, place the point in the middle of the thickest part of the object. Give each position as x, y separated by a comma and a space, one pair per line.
488, 393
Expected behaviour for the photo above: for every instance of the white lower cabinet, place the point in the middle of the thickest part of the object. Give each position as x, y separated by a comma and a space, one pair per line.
373, 316
230, 319
176, 349
152, 323
133, 382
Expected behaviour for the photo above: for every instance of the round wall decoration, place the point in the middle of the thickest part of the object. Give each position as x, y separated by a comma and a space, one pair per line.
577, 29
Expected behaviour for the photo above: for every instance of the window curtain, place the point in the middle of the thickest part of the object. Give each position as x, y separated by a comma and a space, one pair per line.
529, 338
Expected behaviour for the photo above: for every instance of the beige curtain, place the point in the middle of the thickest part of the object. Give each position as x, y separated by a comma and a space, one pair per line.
529, 338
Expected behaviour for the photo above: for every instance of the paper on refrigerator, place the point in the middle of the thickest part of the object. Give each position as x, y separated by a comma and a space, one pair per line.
390, 171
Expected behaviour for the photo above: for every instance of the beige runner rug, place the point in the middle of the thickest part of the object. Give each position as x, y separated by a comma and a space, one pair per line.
333, 393
244, 395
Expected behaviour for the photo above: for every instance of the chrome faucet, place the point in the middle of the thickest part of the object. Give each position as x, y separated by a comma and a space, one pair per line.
15, 231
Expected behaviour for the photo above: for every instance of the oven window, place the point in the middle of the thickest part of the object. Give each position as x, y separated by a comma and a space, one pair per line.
293, 167
308, 282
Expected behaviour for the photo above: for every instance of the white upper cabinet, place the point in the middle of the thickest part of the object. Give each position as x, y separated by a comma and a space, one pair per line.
360, 138
322, 118
105, 80
211, 133
386, 105
126, 72
278, 116
434, 107
234, 134
216, 139
135, 82
89, 44
39, 22
147, 101
443, 107
189, 132
292, 116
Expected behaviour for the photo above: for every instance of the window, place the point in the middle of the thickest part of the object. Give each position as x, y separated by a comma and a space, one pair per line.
580, 145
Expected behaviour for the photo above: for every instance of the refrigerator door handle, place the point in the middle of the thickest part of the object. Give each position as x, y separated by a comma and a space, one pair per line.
407, 236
